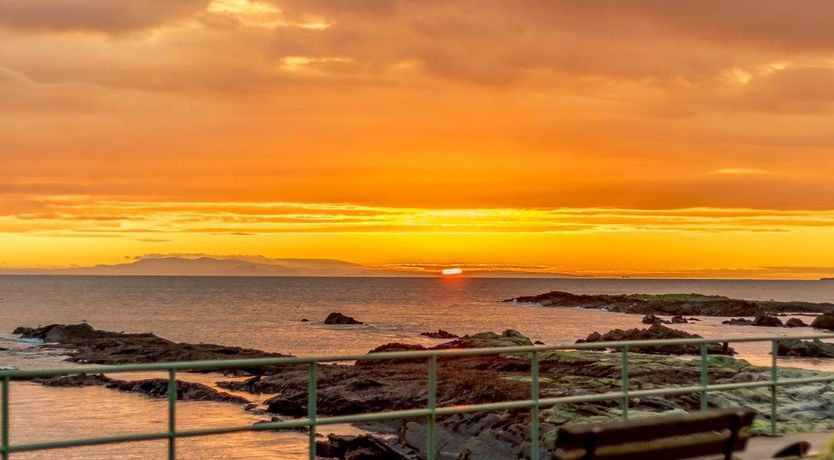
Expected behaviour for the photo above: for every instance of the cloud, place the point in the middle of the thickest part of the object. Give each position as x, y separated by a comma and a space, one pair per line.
740, 171
111, 17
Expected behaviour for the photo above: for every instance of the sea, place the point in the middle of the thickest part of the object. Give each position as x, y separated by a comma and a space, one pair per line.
267, 313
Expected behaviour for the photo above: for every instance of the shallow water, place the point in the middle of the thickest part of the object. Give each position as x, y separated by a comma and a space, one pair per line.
265, 313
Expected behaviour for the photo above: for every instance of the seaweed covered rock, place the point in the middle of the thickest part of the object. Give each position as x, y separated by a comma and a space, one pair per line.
657, 332
508, 338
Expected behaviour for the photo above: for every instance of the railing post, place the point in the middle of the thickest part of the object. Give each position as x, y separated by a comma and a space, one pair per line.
774, 402
4, 437
624, 381
312, 400
431, 435
534, 395
704, 375
172, 414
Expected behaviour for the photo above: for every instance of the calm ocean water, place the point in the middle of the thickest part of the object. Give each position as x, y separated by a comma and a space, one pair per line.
266, 313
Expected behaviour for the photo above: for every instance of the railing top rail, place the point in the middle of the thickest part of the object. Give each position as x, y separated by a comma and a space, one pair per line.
283, 361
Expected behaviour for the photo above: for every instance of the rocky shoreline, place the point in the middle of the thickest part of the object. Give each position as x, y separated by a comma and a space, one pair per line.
674, 304
370, 386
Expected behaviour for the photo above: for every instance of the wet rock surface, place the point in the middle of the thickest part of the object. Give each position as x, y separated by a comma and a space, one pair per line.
157, 388
673, 304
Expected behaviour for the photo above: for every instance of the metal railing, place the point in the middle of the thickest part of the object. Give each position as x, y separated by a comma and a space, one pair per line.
431, 411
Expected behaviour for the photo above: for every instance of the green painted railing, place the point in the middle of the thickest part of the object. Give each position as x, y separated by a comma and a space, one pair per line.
430, 412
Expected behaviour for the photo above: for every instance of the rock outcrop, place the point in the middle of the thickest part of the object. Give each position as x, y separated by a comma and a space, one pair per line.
738, 322
363, 447
805, 348
824, 321
795, 322
652, 319
673, 304
657, 332
338, 318
765, 321
84, 344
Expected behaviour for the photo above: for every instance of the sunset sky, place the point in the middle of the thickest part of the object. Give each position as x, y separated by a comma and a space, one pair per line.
598, 137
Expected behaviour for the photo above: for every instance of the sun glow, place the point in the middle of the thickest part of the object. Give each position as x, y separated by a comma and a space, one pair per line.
451, 272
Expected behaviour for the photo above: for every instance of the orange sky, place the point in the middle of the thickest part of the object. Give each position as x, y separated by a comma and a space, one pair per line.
685, 138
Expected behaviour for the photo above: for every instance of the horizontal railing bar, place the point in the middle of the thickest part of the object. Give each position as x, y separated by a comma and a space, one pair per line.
283, 361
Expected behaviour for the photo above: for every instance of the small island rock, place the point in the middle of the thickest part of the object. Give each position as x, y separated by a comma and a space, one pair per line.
440, 334
338, 318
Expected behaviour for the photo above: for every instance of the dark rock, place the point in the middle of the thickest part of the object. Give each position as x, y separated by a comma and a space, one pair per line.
186, 391
62, 333
795, 322
824, 321
440, 334
656, 332
283, 406
157, 388
678, 320
538, 342
652, 319
738, 322
338, 318
805, 348
761, 321
305, 320
674, 304
767, 321
365, 447
81, 380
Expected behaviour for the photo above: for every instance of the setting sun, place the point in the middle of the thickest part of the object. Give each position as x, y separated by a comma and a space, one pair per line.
451, 271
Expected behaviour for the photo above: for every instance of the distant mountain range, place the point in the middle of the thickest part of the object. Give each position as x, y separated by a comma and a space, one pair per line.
211, 265
216, 266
